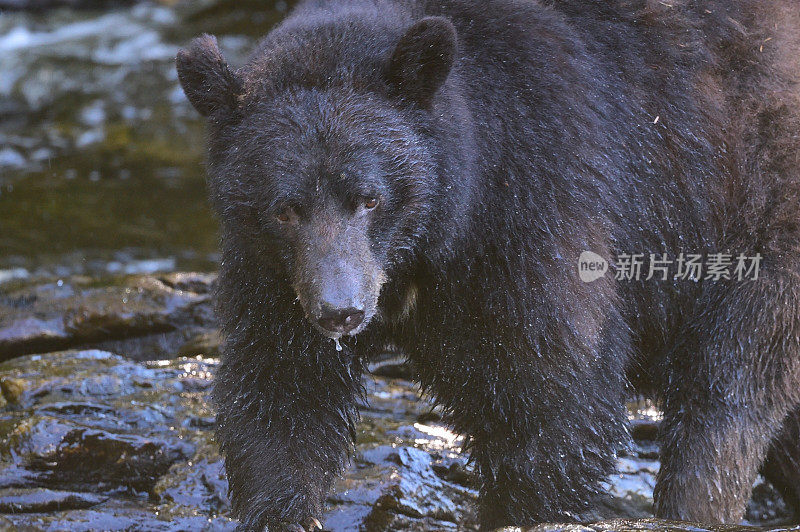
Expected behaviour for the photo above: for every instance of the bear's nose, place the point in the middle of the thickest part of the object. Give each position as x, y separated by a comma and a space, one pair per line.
340, 320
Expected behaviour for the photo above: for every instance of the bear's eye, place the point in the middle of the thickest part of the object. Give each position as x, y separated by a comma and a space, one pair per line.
371, 203
287, 215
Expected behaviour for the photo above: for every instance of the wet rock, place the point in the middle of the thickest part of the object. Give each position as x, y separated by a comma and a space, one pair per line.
117, 517
417, 492
197, 483
15, 501
110, 438
457, 472
11, 389
140, 316
11, 157
393, 367
766, 506
196, 283
204, 343
644, 429
97, 441
631, 525
89, 457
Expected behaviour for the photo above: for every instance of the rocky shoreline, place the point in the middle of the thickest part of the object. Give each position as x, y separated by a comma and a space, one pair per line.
105, 424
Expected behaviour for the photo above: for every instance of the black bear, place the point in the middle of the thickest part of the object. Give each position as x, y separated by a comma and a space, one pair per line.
430, 173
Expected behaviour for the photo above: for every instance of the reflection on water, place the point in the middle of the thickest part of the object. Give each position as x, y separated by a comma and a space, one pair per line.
100, 153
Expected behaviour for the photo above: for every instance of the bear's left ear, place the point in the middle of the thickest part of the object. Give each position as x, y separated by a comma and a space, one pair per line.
423, 59
207, 81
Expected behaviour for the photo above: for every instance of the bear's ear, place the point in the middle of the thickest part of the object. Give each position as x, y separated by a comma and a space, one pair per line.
423, 59
207, 81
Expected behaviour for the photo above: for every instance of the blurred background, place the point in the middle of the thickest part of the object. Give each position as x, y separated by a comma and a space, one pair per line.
101, 155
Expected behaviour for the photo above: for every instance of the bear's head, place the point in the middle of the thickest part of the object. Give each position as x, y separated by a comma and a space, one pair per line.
322, 159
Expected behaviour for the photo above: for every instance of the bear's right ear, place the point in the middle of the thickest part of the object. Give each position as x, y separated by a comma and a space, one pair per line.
423, 58
207, 81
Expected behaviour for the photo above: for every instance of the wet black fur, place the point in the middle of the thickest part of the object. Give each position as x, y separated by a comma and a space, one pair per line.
541, 142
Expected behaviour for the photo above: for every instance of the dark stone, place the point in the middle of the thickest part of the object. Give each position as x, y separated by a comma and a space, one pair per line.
645, 429
395, 367
139, 316
89, 457
16, 501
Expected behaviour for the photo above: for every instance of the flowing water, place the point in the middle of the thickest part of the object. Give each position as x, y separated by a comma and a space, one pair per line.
101, 156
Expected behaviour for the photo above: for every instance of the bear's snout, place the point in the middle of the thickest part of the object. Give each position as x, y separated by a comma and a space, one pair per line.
337, 280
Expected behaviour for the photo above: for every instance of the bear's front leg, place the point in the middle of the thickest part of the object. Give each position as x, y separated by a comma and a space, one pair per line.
286, 410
